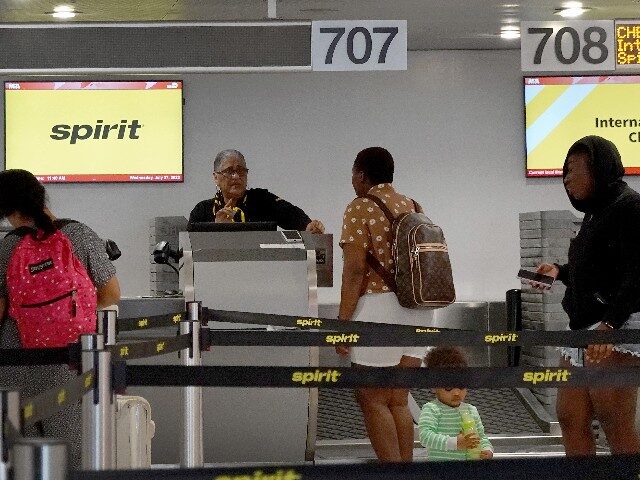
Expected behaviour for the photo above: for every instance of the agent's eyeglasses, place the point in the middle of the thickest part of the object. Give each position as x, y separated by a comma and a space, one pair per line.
233, 172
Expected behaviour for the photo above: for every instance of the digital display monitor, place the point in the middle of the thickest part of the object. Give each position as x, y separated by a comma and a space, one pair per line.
561, 110
116, 131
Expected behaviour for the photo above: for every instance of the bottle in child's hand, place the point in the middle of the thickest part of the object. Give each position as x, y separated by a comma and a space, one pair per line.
468, 425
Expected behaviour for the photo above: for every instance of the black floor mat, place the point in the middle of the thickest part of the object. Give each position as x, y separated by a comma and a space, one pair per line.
501, 410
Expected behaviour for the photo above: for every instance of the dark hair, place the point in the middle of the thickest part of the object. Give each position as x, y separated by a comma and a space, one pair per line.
20, 191
451, 357
376, 163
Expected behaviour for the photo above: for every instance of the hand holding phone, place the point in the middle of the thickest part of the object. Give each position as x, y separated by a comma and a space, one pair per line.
535, 279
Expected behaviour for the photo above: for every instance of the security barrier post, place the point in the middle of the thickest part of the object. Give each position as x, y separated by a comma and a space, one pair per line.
98, 413
9, 422
40, 459
191, 448
107, 320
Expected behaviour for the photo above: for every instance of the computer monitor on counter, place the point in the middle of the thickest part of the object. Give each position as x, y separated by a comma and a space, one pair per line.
232, 227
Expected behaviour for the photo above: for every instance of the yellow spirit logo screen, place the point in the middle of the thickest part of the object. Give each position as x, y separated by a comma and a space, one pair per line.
95, 131
561, 110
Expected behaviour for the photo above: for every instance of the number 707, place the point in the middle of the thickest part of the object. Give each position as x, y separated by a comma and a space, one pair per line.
391, 32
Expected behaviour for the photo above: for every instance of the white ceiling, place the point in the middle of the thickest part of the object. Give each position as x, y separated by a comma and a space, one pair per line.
432, 24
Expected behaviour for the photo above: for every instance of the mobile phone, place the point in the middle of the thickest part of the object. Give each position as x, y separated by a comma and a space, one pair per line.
536, 277
292, 236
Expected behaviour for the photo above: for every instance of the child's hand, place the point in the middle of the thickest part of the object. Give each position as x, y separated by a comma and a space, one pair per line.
486, 454
470, 440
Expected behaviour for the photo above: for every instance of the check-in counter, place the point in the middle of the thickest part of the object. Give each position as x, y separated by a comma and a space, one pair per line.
254, 272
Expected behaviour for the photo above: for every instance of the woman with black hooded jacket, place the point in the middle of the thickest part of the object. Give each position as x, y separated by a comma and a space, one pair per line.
603, 292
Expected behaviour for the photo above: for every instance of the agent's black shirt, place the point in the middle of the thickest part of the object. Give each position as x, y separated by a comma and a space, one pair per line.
257, 205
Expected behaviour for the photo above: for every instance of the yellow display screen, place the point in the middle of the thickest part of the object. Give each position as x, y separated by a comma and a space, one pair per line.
628, 44
561, 110
129, 131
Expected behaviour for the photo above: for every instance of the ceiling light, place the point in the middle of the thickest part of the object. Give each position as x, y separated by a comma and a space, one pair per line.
509, 32
63, 14
571, 10
63, 11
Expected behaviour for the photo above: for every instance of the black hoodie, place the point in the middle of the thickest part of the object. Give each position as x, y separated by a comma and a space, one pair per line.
603, 273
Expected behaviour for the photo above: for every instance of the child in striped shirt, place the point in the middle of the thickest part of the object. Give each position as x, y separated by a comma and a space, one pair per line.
440, 424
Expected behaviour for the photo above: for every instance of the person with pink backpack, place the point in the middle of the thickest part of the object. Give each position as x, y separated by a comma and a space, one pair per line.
54, 274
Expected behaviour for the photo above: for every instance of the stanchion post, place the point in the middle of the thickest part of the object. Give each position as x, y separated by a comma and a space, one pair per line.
514, 323
9, 414
107, 325
40, 459
98, 413
191, 448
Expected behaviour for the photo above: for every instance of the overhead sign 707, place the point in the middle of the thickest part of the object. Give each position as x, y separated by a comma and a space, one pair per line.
579, 45
341, 45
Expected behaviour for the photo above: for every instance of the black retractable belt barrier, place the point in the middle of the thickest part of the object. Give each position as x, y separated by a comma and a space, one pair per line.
212, 315
369, 333
152, 321
310, 377
418, 336
34, 356
160, 346
618, 467
16, 357
54, 400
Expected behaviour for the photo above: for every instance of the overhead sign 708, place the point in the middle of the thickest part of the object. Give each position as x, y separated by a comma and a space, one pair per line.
341, 45
578, 45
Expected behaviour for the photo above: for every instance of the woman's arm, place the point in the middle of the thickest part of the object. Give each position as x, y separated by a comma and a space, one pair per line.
109, 293
353, 275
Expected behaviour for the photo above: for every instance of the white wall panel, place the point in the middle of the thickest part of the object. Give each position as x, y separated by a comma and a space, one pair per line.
453, 121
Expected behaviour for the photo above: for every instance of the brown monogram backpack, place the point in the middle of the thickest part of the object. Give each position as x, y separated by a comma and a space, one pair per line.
422, 277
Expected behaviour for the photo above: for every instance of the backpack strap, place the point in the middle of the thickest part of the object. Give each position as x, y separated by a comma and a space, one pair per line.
383, 207
385, 274
20, 232
62, 222
373, 262
24, 231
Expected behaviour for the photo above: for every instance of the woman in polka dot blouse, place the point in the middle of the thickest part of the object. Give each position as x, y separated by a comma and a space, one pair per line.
366, 297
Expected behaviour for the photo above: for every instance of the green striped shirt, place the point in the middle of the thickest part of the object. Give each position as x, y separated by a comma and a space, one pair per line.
439, 426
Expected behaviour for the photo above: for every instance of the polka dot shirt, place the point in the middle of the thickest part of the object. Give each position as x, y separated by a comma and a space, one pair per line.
365, 226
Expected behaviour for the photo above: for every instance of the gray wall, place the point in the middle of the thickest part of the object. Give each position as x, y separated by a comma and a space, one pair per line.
453, 121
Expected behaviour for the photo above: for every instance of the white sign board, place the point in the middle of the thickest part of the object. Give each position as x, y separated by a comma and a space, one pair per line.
341, 45
572, 46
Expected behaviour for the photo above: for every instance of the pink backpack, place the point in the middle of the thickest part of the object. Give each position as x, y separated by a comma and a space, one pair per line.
51, 296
